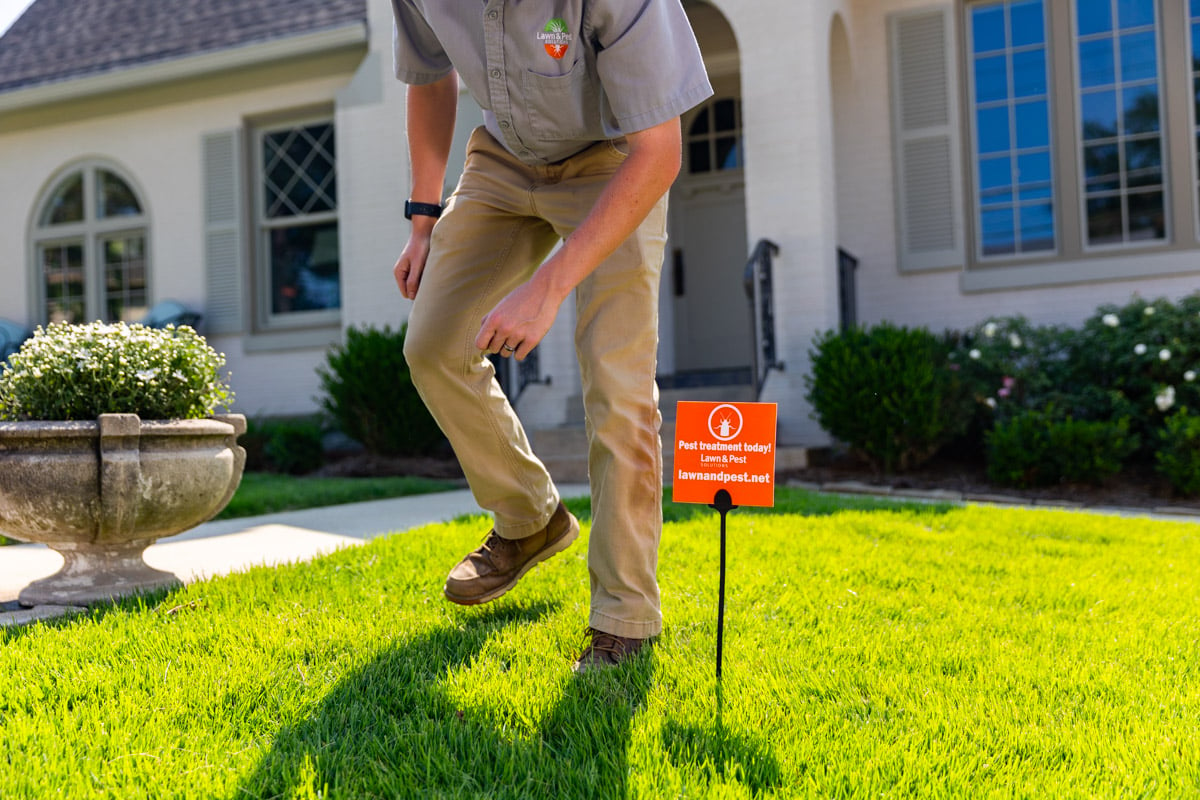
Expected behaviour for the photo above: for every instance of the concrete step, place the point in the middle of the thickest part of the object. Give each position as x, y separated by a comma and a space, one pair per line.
667, 398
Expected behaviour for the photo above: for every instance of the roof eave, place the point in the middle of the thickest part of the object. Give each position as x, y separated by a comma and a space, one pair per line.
159, 72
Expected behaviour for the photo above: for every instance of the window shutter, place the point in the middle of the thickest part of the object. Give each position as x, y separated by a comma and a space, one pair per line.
925, 134
225, 279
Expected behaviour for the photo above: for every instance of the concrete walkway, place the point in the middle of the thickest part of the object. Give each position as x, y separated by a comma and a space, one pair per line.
224, 546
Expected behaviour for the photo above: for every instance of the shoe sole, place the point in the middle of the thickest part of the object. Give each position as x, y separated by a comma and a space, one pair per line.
554, 548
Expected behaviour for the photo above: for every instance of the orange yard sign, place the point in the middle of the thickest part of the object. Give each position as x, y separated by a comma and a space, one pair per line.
728, 446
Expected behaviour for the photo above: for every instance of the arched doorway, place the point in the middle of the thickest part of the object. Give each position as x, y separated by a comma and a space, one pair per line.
710, 330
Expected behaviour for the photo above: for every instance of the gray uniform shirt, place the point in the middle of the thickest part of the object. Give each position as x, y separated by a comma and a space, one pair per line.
556, 76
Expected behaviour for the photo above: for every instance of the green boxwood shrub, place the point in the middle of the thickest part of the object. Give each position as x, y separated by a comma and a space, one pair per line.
369, 394
1042, 448
293, 445
1178, 455
888, 392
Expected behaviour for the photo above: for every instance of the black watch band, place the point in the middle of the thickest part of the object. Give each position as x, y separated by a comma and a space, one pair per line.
424, 209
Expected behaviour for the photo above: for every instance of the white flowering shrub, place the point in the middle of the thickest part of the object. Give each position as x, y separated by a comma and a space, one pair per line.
77, 372
1147, 354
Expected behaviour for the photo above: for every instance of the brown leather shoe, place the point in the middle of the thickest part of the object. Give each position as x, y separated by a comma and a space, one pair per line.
607, 650
498, 564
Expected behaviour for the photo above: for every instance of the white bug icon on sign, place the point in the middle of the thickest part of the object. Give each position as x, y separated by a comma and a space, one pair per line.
725, 422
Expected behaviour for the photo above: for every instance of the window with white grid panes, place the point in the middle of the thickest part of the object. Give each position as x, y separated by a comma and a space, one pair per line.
90, 245
1194, 52
1011, 128
1120, 121
299, 278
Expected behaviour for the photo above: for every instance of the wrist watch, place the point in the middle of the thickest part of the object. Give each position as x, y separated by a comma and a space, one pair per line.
424, 209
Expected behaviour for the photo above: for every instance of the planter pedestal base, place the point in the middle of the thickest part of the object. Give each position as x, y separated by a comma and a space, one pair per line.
97, 574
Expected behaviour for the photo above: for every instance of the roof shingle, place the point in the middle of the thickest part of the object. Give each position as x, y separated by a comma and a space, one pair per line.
56, 40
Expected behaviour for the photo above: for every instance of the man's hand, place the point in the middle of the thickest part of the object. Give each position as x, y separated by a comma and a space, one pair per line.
518, 323
411, 264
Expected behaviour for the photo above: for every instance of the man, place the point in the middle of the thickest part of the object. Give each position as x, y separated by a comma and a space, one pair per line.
580, 145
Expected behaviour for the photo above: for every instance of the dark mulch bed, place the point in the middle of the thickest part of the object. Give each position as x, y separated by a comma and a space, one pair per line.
1137, 487
368, 465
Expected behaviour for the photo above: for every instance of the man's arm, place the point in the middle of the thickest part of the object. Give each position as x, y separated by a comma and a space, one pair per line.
524, 316
431, 113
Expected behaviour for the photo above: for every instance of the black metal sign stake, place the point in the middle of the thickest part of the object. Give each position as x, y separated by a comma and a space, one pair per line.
722, 502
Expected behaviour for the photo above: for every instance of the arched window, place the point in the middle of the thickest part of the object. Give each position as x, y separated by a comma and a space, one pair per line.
90, 244
715, 137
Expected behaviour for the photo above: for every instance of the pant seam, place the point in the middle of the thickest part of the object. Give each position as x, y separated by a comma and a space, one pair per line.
469, 349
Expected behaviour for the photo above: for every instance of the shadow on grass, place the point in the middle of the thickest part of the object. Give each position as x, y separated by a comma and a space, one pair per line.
714, 752
394, 729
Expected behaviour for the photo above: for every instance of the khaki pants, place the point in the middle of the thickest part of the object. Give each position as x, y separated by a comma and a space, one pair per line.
501, 223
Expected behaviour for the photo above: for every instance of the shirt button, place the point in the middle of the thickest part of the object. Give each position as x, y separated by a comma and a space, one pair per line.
493, 14
504, 124
495, 73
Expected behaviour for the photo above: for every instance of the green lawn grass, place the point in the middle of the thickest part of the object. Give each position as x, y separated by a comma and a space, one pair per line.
267, 493
916, 652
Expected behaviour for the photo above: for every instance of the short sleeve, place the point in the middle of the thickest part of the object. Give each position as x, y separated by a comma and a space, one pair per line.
419, 56
648, 61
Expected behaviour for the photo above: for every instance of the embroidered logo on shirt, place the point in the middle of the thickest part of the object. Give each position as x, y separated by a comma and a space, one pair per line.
555, 38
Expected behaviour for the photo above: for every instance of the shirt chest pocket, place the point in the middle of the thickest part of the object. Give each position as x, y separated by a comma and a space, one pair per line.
563, 107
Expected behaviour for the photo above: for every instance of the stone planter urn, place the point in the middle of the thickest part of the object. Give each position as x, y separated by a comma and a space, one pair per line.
100, 493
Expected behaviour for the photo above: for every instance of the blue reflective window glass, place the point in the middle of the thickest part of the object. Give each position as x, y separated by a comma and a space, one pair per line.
1037, 227
1195, 8
1093, 16
1135, 13
1028, 23
1099, 111
1140, 109
992, 128
995, 178
1139, 56
1097, 64
998, 232
991, 79
1032, 124
1033, 175
1029, 73
987, 29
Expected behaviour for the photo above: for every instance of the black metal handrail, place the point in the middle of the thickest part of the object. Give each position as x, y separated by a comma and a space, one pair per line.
513, 376
847, 292
758, 281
